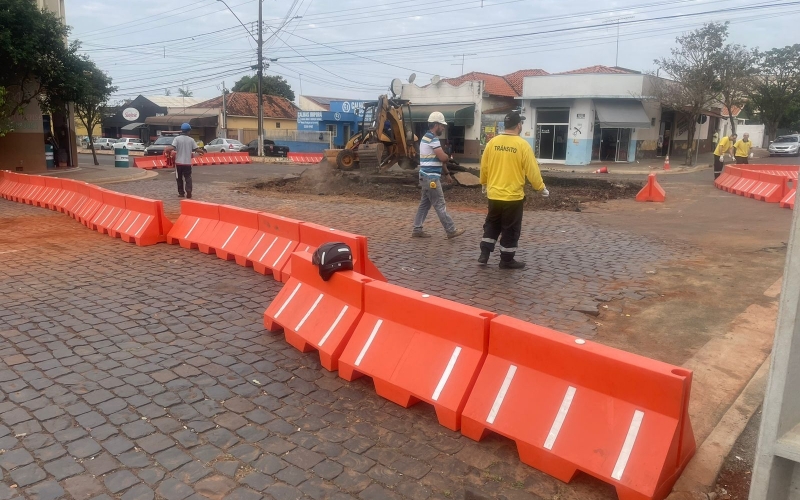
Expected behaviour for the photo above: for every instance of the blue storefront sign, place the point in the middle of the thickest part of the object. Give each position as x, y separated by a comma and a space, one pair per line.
309, 120
354, 107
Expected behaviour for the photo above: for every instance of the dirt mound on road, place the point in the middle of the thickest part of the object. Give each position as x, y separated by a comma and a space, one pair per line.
566, 192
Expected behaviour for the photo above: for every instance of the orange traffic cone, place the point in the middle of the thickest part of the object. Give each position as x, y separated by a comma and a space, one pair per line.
602, 170
666, 163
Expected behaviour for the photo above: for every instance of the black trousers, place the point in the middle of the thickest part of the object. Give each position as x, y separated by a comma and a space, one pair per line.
184, 172
504, 220
742, 160
717, 166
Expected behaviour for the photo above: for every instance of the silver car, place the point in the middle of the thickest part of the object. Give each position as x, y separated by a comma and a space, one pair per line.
130, 144
104, 143
224, 146
785, 145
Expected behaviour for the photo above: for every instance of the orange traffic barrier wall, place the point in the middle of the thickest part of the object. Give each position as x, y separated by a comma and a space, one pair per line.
788, 200
195, 226
730, 175
272, 248
418, 348
770, 188
316, 314
746, 183
306, 157
131, 218
652, 191
234, 232
572, 405
152, 162
313, 235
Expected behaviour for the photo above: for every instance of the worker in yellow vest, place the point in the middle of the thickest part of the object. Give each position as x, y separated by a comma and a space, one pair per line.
725, 146
742, 149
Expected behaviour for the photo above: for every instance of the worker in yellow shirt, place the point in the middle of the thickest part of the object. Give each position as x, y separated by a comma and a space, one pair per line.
724, 146
742, 149
507, 161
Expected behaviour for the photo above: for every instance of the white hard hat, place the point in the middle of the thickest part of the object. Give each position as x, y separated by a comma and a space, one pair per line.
437, 117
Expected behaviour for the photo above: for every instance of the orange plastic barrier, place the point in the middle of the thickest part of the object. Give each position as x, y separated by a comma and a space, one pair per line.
195, 226
273, 245
748, 182
93, 204
316, 314
52, 190
729, 177
112, 208
652, 191
770, 188
234, 232
418, 348
573, 405
148, 224
788, 200
313, 235
151, 162
71, 196
306, 157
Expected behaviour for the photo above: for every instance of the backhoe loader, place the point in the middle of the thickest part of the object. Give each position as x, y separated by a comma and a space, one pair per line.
386, 137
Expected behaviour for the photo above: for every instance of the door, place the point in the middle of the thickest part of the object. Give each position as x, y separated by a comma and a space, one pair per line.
608, 144
623, 142
560, 142
545, 141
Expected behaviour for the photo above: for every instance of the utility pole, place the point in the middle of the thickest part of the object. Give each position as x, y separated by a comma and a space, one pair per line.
224, 112
260, 78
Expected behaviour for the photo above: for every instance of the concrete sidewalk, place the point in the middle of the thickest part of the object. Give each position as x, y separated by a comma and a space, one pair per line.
102, 174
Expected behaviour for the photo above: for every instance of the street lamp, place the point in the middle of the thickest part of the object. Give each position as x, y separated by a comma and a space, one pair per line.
260, 69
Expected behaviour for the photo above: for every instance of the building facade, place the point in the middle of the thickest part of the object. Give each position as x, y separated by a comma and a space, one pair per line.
237, 117
602, 114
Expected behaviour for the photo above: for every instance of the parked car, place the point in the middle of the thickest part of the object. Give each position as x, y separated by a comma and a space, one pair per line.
104, 143
225, 146
157, 148
785, 145
130, 144
270, 149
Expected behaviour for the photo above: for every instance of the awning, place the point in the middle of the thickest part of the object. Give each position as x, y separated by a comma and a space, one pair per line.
621, 114
133, 126
462, 115
196, 121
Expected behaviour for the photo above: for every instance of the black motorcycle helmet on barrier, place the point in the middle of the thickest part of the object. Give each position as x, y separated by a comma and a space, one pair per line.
332, 257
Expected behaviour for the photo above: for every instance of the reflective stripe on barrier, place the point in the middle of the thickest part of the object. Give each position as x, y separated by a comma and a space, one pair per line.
574, 405
93, 204
316, 314
52, 192
112, 209
306, 157
747, 183
148, 226
771, 188
418, 348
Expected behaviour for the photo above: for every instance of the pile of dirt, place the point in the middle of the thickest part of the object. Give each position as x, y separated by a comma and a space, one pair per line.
566, 192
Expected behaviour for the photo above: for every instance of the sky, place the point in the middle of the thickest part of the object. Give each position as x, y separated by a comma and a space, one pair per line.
352, 49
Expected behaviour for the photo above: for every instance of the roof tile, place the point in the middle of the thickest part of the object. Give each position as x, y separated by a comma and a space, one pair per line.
246, 104
598, 69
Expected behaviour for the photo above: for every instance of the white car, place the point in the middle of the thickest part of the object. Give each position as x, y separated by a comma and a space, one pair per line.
224, 146
104, 143
785, 145
130, 144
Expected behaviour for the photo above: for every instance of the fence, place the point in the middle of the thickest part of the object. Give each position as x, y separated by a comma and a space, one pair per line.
298, 141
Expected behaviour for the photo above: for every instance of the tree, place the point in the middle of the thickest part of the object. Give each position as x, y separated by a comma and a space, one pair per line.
695, 85
271, 85
185, 92
736, 67
32, 55
167, 92
775, 96
88, 88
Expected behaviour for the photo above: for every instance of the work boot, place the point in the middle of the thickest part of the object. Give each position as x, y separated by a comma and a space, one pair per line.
420, 234
456, 233
484, 258
189, 194
180, 195
511, 264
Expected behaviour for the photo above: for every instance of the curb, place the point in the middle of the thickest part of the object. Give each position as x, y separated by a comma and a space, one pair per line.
674, 171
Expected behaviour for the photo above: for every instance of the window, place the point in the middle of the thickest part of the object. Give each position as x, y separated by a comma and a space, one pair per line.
277, 124
552, 115
653, 122
331, 129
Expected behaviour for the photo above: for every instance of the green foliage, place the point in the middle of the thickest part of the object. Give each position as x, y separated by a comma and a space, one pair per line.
33, 52
184, 92
272, 85
775, 96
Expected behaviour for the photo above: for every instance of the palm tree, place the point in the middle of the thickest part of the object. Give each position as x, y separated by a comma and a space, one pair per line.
184, 92
246, 84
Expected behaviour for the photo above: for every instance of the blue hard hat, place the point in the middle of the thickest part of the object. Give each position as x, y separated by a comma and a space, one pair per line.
186, 127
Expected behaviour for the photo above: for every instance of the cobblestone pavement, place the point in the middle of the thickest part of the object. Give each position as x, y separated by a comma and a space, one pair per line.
141, 373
